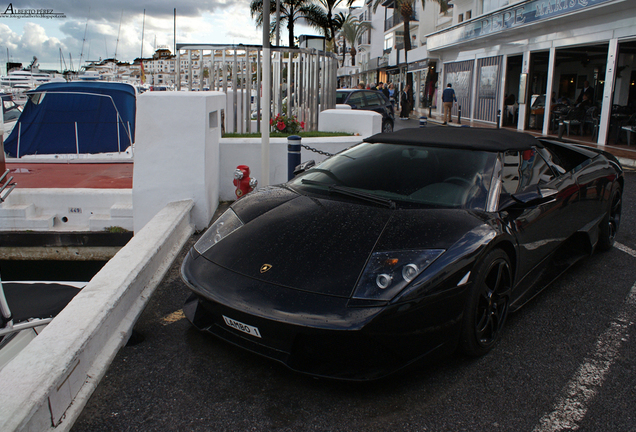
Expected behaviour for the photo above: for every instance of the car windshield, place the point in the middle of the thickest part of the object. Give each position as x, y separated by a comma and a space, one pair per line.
410, 175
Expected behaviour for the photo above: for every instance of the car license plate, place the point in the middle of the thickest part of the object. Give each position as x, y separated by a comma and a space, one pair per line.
250, 330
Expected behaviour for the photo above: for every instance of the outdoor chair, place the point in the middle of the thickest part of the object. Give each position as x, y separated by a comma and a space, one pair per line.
629, 127
574, 118
558, 113
592, 118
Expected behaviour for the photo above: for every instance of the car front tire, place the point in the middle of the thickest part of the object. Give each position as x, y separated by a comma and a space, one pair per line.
387, 126
487, 306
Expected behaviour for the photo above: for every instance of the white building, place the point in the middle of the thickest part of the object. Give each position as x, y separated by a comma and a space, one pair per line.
488, 49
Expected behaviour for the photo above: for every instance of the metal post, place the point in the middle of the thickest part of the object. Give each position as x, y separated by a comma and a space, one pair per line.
498, 118
258, 91
293, 154
423, 121
234, 93
3, 166
267, 99
459, 114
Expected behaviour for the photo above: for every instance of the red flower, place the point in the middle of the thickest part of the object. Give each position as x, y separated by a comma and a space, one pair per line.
280, 125
302, 125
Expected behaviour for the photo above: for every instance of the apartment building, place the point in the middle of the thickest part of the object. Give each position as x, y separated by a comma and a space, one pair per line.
534, 50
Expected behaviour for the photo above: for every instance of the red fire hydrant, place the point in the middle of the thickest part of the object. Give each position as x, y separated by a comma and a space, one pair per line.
244, 184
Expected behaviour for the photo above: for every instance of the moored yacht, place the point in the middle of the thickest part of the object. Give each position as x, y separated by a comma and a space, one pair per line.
20, 78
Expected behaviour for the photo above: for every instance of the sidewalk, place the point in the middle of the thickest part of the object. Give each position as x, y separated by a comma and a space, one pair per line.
626, 155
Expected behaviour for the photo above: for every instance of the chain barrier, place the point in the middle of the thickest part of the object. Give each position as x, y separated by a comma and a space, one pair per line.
316, 150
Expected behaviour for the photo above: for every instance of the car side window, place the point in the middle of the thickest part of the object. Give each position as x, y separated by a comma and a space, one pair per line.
357, 99
373, 99
552, 159
524, 168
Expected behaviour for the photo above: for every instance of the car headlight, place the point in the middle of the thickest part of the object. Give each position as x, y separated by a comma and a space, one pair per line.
223, 227
387, 273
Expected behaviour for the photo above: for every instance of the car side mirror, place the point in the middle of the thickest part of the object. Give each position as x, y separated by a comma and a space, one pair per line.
304, 167
529, 197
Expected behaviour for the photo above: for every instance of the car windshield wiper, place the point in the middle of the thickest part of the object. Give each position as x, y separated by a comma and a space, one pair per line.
344, 190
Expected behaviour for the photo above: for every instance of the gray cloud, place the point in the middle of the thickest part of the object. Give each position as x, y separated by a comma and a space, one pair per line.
111, 10
93, 33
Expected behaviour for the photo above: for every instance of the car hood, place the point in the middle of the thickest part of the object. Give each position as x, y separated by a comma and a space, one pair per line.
322, 245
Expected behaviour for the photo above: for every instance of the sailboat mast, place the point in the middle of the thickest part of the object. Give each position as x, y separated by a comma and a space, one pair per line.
143, 24
84, 40
118, 32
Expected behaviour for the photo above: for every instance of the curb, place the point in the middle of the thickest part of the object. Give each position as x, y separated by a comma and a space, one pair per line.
54, 376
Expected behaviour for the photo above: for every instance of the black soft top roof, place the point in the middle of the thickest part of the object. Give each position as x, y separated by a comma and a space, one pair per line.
459, 137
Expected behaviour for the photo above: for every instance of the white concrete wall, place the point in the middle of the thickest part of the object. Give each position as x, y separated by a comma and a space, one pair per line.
247, 151
364, 123
47, 385
177, 153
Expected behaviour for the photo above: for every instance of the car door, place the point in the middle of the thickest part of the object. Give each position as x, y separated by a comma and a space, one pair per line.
594, 178
375, 102
541, 228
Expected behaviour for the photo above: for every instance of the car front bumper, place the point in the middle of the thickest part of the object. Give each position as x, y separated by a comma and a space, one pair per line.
317, 334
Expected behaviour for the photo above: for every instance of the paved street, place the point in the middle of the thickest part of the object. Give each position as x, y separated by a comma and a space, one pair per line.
567, 361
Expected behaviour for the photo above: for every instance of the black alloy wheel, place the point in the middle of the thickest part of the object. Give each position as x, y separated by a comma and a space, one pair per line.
487, 306
387, 126
612, 220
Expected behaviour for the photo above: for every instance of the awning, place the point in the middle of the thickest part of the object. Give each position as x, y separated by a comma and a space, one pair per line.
418, 65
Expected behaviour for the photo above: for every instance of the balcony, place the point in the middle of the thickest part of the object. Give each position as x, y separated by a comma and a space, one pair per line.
396, 20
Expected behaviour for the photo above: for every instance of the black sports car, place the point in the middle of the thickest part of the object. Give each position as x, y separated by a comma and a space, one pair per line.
406, 245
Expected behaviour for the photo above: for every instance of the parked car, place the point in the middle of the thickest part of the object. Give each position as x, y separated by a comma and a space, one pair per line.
370, 100
406, 246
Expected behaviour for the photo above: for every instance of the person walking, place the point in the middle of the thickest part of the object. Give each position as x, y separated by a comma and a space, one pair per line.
392, 93
448, 98
384, 89
405, 103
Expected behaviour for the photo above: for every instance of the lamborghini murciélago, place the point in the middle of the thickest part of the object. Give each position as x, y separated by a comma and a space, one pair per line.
407, 245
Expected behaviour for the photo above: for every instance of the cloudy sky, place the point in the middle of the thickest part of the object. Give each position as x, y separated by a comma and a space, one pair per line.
90, 29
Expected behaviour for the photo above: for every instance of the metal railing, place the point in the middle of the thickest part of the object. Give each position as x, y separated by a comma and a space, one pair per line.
8, 183
396, 20
303, 81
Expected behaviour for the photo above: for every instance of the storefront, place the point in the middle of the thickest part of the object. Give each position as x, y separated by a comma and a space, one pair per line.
424, 81
533, 61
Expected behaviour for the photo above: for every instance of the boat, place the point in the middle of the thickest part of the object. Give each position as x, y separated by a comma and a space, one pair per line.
75, 120
26, 307
11, 113
24, 77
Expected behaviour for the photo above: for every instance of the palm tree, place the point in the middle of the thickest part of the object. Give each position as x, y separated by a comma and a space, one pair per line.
330, 5
291, 11
352, 29
338, 22
406, 10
